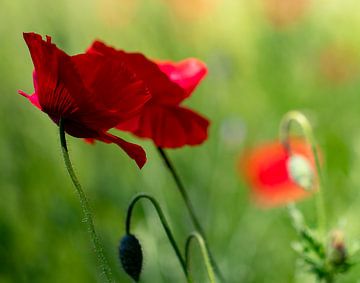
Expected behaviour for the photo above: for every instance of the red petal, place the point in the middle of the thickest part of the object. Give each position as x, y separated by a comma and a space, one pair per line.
116, 92
162, 89
134, 151
130, 125
53, 95
265, 169
187, 73
172, 127
33, 98
162, 120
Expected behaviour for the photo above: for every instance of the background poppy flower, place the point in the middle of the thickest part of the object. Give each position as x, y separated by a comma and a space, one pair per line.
90, 92
192, 10
268, 171
163, 120
284, 13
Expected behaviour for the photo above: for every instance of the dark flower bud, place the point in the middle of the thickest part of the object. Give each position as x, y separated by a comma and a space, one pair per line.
131, 256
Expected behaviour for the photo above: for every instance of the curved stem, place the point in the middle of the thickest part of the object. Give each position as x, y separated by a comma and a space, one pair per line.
164, 223
85, 207
205, 254
303, 122
190, 209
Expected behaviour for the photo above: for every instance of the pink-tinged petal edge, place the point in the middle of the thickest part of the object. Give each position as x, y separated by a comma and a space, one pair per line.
33, 98
187, 73
162, 89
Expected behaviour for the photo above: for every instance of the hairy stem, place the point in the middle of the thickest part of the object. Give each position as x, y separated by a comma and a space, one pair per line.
88, 219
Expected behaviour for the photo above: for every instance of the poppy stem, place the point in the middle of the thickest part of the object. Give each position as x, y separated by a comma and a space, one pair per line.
303, 122
164, 223
190, 208
205, 254
88, 219
329, 279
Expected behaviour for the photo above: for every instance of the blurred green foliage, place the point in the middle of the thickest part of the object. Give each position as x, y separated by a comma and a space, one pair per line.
258, 70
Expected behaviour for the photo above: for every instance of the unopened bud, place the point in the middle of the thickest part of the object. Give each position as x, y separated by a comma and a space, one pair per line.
301, 171
131, 256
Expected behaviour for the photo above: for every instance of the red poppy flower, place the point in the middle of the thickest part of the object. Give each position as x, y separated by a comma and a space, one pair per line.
163, 120
275, 176
90, 92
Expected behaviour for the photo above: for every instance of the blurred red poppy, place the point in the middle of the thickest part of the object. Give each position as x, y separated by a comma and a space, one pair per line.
90, 92
163, 120
276, 177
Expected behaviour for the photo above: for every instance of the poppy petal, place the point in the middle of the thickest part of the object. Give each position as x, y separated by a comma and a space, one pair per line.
162, 119
134, 151
162, 89
125, 94
130, 125
49, 62
172, 127
33, 98
187, 73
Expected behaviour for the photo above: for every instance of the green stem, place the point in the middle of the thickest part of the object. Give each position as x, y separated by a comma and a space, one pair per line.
164, 223
205, 254
190, 209
329, 279
85, 207
285, 127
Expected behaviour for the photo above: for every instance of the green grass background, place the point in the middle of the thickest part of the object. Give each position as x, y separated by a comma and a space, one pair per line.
257, 72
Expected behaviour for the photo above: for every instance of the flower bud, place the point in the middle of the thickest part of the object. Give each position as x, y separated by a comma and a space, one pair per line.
301, 171
131, 256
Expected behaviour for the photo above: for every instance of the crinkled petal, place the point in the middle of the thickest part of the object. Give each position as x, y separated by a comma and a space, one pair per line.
172, 127
116, 92
162, 89
52, 67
